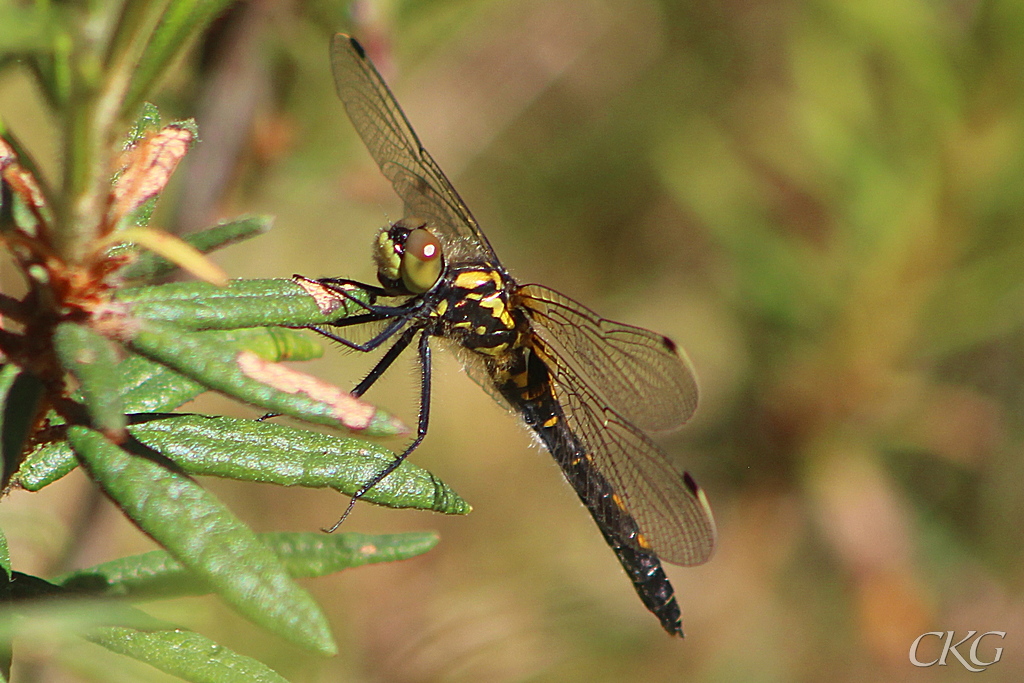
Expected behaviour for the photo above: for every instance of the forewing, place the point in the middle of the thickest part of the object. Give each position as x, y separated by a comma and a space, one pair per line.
638, 373
428, 195
668, 506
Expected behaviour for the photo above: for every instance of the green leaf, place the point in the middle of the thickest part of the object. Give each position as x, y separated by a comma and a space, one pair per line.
149, 386
307, 555
248, 450
249, 378
185, 654
156, 575
45, 465
20, 396
243, 303
92, 360
149, 266
198, 531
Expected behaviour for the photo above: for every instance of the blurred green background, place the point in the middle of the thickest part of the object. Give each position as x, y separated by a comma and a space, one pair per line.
821, 200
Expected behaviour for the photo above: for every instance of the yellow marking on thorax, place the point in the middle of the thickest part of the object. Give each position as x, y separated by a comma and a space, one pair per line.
493, 302
440, 309
474, 279
618, 502
499, 310
551, 422
641, 540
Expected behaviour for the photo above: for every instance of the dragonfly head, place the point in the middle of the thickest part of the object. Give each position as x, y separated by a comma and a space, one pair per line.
409, 261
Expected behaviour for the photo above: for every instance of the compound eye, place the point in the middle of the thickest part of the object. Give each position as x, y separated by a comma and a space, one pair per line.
388, 255
421, 262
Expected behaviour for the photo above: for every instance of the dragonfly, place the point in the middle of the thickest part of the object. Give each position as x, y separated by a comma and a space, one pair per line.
589, 388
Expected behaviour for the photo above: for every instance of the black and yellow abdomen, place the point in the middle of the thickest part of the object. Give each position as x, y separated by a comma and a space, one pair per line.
525, 383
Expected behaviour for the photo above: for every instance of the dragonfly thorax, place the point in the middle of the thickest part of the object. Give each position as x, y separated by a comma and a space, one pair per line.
409, 260
473, 307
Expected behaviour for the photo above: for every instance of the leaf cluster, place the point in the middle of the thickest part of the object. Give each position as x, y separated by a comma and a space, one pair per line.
97, 355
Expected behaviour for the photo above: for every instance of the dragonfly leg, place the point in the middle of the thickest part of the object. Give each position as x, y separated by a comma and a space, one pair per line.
421, 425
400, 315
385, 362
337, 284
389, 330
374, 312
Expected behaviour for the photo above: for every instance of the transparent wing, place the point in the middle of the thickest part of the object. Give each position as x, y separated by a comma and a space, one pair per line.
668, 506
612, 379
637, 373
428, 195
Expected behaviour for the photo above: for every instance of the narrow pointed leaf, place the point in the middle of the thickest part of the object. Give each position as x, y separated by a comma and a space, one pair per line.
243, 303
248, 450
148, 386
185, 654
198, 531
45, 465
318, 554
157, 575
149, 266
92, 359
247, 377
